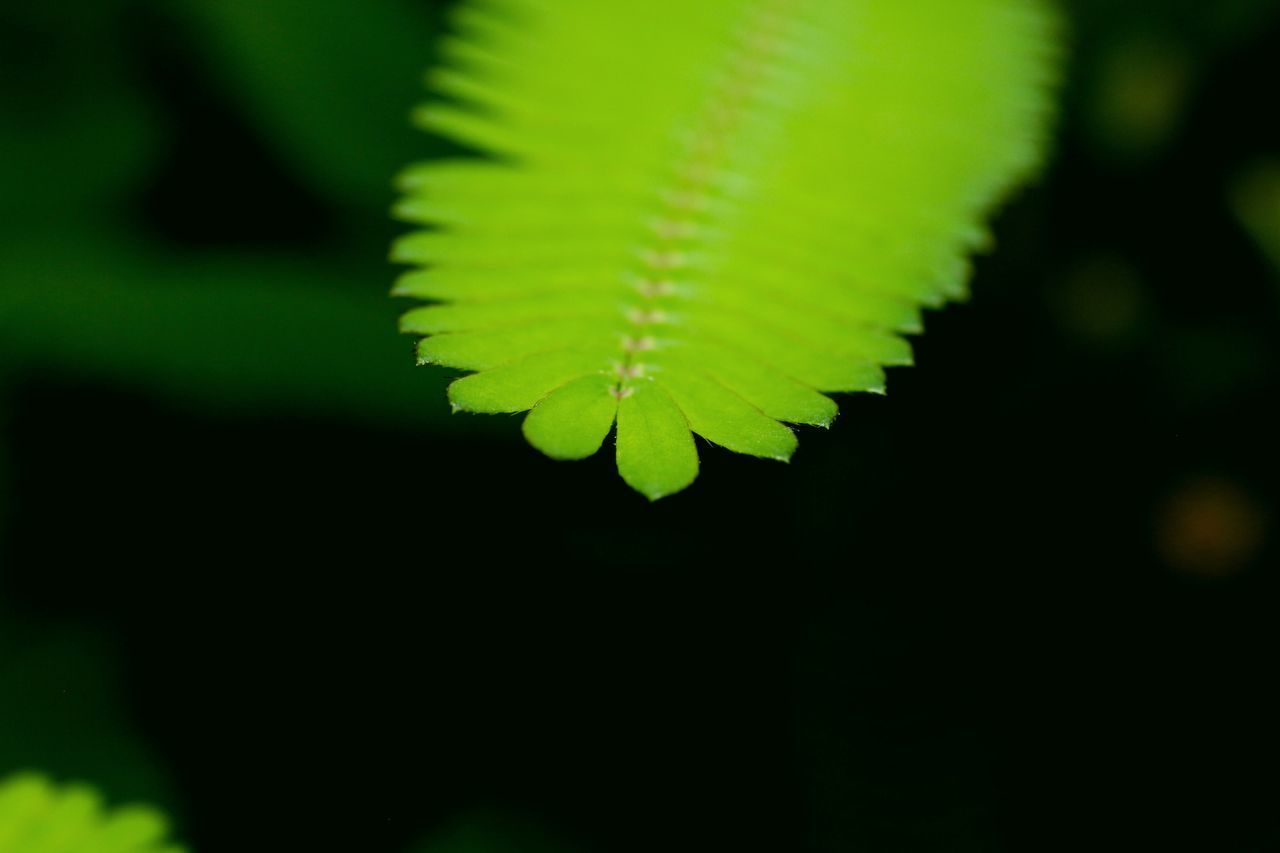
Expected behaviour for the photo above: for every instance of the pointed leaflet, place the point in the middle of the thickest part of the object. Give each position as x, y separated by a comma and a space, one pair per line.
701, 218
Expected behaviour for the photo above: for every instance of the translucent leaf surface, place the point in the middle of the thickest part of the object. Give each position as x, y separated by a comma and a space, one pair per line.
706, 217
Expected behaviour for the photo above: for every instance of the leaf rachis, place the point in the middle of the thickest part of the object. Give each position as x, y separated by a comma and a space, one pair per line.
713, 243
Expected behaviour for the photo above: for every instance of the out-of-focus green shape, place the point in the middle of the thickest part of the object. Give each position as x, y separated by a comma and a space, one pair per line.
275, 333
723, 228
329, 81
38, 817
74, 133
1101, 301
61, 711
492, 832
1256, 199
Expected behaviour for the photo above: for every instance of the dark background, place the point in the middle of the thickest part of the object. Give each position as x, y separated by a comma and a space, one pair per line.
254, 572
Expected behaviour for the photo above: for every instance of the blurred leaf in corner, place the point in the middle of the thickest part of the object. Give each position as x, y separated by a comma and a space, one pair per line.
38, 815
82, 289
329, 80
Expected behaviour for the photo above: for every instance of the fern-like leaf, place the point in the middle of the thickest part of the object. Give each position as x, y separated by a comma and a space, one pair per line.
703, 218
37, 817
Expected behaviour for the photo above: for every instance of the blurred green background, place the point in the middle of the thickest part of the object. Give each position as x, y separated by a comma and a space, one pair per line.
252, 570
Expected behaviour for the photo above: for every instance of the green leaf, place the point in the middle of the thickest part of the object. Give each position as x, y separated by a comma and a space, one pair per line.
712, 214
574, 420
656, 455
38, 817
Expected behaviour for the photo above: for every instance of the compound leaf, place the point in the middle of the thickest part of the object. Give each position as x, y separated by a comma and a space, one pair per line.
704, 218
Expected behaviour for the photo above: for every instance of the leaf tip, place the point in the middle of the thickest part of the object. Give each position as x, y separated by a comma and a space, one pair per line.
423, 354
787, 451
653, 496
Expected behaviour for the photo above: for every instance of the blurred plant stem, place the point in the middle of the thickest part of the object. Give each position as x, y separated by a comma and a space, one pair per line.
269, 332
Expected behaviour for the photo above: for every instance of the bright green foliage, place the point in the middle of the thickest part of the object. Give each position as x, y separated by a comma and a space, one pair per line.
37, 817
702, 218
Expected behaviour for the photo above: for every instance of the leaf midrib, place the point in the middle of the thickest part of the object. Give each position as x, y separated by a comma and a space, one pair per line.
748, 64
